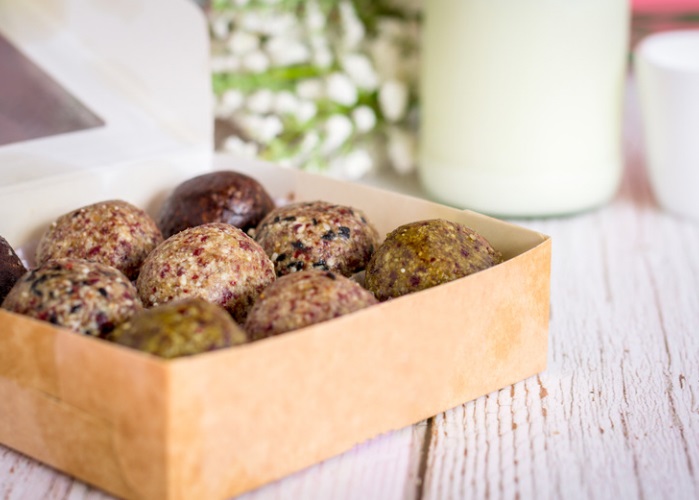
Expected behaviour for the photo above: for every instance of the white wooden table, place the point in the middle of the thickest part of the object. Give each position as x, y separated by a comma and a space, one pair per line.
615, 415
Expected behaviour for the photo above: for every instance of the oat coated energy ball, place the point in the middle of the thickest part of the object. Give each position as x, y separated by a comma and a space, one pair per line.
87, 297
317, 235
179, 328
216, 261
112, 232
426, 253
11, 268
302, 299
223, 196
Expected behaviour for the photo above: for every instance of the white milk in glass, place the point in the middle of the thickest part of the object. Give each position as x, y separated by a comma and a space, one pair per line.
522, 103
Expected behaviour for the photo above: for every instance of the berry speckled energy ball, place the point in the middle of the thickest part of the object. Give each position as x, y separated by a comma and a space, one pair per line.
112, 232
216, 261
317, 235
180, 328
426, 253
87, 297
11, 268
223, 196
302, 299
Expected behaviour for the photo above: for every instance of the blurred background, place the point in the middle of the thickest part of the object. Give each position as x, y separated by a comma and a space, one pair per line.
332, 85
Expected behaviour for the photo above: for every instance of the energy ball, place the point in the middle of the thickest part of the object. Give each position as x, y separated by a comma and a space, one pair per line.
180, 328
112, 232
317, 235
84, 296
215, 261
223, 196
424, 254
11, 268
302, 299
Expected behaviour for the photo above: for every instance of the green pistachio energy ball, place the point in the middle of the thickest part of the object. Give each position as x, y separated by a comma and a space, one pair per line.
180, 328
424, 254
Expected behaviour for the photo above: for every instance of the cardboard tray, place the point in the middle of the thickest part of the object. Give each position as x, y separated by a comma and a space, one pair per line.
218, 424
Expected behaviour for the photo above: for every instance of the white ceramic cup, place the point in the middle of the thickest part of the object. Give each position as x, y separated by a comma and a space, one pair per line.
667, 72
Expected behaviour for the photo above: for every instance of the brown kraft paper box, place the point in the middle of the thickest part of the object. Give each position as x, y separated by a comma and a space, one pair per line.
221, 423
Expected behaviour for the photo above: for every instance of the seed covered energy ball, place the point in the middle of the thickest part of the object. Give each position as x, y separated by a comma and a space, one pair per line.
11, 268
180, 328
84, 296
302, 299
216, 261
317, 235
223, 196
112, 232
424, 254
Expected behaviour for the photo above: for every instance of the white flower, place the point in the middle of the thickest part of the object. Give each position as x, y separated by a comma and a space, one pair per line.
332, 39
315, 19
270, 127
322, 57
309, 142
310, 88
353, 165
353, 29
250, 123
231, 100
262, 128
338, 128
341, 89
241, 42
225, 64
256, 61
318, 40
285, 51
251, 20
279, 23
386, 56
285, 103
361, 71
306, 111
393, 100
401, 150
220, 27
266, 21
261, 101
364, 118
234, 144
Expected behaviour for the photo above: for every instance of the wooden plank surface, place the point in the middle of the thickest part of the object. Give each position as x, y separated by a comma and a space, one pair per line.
616, 415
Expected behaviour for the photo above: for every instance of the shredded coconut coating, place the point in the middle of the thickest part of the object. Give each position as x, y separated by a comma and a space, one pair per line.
302, 299
317, 235
424, 254
87, 297
112, 232
180, 328
216, 262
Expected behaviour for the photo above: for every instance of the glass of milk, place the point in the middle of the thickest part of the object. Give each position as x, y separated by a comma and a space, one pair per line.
667, 74
522, 103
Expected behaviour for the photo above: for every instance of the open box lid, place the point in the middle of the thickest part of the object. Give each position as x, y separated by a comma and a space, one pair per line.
136, 75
